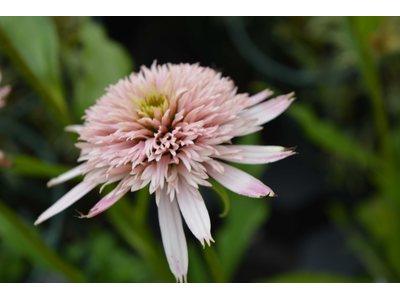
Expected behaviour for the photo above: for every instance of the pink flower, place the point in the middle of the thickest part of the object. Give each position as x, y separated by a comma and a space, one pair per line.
4, 91
4, 162
171, 127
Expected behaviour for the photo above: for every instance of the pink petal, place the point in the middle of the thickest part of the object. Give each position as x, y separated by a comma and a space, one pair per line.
195, 213
240, 182
268, 110
67, 200
4, 91
105, 203
173, 237
257, 98
255, 155
66, 176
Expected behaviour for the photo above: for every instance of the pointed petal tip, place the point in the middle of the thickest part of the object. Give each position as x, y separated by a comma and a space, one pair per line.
50, 183
272, 194
290, 149
82, 215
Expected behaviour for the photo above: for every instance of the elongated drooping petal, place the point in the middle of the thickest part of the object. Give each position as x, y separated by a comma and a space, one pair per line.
68, 199
268, 110
257, 98
66, 176
240, 182
196, 216
255, 155
173, 237
105, 203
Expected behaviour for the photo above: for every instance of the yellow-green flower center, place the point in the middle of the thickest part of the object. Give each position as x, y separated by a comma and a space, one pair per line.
152, 105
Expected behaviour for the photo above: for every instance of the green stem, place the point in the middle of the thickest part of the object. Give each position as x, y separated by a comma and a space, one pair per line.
371, 79
214, 264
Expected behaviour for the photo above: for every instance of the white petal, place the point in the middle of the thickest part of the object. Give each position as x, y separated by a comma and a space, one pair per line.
68, 199
73, 128
66, 176
255, 155
257, 98
240, 182
195, 213
246, 130
173, 236
268, 110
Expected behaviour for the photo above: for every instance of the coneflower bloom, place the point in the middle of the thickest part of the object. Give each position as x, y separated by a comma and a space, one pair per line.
170, 127
4, 91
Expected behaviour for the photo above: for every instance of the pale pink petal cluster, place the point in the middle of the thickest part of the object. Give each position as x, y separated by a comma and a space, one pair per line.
170, 127
4, 91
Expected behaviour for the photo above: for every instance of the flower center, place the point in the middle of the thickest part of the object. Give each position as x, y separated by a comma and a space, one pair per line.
152, 105
165, 142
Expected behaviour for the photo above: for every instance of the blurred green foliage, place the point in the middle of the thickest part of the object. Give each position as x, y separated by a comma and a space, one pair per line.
69, 61
367, 43
32, 45
94, 62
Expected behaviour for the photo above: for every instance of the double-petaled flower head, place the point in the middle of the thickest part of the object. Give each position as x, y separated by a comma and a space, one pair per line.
170, 127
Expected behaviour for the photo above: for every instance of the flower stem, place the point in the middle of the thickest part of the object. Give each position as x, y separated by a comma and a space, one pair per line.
214, 264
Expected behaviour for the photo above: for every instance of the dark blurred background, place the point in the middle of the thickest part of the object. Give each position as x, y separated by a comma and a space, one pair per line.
337, 214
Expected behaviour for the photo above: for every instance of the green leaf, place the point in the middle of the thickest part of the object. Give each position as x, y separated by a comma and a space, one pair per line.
11, 261
381, 219
360, 30
24, 239
312, 277
102, 62
214, 264
142, 204
197, 271
31, 43
246, 216
329, 137
30, 166
221, 191
368, 256
107, 260
140, 238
